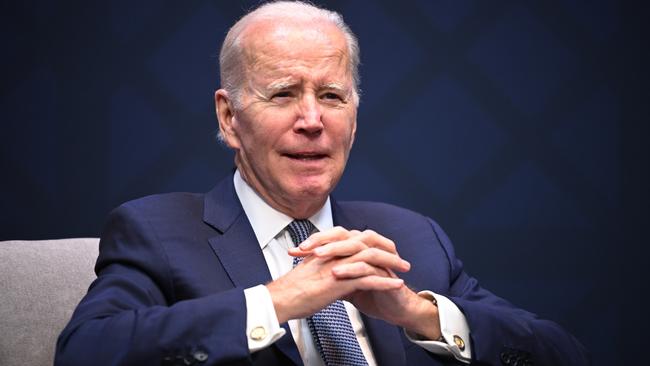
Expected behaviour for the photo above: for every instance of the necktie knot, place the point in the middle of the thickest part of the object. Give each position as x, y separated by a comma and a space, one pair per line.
300, 230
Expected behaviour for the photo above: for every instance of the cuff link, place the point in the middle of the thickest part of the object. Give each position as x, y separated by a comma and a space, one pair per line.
459, 342
258, 333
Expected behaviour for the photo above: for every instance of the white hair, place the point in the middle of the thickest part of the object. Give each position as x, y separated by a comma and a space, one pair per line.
231, 62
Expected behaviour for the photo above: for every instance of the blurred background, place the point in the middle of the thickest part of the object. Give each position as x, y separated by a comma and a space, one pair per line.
520, 126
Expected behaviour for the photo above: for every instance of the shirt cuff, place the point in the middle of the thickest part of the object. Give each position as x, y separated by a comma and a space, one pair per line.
262, 327
454, 329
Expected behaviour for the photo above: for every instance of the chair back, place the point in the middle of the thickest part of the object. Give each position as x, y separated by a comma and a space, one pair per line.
41, 282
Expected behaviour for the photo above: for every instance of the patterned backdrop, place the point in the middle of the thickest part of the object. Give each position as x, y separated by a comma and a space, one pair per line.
518, 125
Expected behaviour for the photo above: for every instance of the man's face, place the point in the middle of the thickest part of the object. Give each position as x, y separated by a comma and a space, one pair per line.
296, 121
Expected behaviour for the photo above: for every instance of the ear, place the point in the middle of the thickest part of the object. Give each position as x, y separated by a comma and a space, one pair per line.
226, 117
354, 131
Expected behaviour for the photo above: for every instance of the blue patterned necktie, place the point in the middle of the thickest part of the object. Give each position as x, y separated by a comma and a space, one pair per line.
330, 327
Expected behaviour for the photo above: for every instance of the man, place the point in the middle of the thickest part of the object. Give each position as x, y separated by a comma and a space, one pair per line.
217, 278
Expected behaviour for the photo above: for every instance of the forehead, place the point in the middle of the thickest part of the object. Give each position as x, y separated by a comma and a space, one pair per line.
278, 48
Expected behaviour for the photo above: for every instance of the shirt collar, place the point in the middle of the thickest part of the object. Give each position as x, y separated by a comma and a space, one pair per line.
268, 222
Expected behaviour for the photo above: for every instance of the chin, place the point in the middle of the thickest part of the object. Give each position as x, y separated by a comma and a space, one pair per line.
308, 189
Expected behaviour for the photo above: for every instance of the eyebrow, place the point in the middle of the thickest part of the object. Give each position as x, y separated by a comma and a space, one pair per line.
335, 86
287, 84
280, 85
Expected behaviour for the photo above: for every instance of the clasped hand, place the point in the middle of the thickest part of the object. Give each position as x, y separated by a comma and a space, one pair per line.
358, 267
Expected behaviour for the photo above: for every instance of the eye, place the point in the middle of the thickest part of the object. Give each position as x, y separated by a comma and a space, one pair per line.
332, 96
282, 94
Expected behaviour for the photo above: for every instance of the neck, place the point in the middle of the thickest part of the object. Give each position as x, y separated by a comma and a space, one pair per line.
297, 209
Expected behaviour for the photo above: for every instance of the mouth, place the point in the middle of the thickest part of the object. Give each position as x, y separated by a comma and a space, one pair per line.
305, 156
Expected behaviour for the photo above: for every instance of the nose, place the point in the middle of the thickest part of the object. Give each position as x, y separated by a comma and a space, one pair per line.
309, 119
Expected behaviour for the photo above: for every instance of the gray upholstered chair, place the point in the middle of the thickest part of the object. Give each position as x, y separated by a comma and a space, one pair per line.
41, 282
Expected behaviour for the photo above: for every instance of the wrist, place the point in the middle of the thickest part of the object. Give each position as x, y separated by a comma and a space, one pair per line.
282, 296
424, 320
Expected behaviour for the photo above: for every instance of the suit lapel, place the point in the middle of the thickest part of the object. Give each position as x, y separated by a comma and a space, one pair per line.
384, 338
239, 253
238, 249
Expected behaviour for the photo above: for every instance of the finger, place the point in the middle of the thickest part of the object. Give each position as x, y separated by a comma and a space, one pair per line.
380, 258
341, 248
336, 233
297, 252
390, 273
330, 244
317, 245
377, 283
375, 240
358, 269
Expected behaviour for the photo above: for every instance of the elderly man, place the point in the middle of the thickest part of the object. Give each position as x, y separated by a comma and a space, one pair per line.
221, 278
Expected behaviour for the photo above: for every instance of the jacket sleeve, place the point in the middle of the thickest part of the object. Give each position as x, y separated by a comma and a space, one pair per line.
502, 334
131, 316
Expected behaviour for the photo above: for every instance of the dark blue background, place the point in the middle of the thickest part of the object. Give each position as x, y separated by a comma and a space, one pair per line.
519, 125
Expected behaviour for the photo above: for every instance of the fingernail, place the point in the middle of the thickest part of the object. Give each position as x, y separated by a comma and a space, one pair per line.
305, 244
406, 264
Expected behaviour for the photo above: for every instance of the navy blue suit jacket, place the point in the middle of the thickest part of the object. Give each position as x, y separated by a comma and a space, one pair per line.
172, 270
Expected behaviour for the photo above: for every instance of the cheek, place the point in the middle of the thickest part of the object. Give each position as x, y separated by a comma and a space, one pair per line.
250, 129
345, 132
259, 146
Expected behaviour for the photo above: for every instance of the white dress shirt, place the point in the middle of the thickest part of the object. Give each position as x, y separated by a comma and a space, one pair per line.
262, 327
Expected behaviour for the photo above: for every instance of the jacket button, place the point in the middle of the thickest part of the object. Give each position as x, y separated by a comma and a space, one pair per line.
200, 356
506, 358
183, 361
